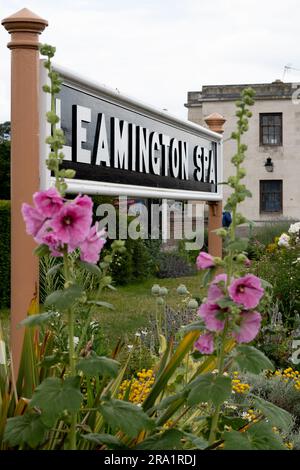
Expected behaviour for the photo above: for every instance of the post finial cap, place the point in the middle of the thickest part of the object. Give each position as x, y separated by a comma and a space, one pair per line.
215, 122
24, 21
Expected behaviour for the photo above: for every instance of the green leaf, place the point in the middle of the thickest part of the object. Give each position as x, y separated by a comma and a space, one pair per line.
168, 440
130, 418
233, 421
54, 396
195, 326
168, 370
276, 416
63, 299
265, 284
167, 401
51, 360
27, 429
37, 319
208, 276
197, 441
109, 286
235, 440
99, 365
258, 437
92, 268
225, 302
252, 360
241, 244
42, 250
100, 303
110, 441
209, 387
54, 269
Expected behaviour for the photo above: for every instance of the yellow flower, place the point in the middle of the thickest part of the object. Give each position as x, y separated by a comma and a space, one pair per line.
138, 388
271, 248
289, 445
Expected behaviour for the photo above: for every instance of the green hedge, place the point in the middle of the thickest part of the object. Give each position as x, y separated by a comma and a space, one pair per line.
4, 253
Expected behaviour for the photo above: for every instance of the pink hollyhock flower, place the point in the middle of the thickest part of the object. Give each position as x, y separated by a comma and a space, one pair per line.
205, 343
209, 312
204, 260
53, 243
72, 223
33, 218
91, 247
248, 328
246, 291
215, 291
85, 202
247, 263
48, 202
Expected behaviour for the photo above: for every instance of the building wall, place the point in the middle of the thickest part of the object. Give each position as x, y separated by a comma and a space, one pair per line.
286, 158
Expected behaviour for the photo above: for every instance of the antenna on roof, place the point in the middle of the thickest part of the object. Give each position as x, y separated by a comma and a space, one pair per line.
286, 69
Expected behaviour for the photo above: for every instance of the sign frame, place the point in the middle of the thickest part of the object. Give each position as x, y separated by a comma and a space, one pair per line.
82, 84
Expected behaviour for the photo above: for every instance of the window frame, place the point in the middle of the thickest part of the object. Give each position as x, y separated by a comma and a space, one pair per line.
261, 192
261, 126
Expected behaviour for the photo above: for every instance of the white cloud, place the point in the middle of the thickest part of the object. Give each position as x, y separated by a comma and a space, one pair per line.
157, 51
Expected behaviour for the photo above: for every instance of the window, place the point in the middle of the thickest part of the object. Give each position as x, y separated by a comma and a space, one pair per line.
270, 195
270, 128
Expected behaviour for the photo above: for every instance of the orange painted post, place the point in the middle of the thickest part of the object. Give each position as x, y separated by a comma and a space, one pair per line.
24, 27
215, 122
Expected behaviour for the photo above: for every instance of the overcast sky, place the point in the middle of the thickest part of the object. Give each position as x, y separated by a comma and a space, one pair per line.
157, 50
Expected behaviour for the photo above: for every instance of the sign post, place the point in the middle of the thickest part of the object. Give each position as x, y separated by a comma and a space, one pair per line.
215, 122
24, 27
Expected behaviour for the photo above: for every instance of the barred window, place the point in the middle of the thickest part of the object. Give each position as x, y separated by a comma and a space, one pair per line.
270, 195
270, 128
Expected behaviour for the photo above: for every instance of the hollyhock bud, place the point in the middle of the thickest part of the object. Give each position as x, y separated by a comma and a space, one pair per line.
204, 260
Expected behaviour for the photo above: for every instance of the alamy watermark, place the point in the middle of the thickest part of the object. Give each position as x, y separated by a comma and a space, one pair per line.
165, 220
296, 93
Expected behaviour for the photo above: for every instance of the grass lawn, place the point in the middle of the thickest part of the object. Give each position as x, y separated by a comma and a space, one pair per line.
133, 306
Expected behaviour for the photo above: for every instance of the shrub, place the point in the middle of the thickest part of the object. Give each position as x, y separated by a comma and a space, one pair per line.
266, 234
174, 265
134, 264
154, 249
280, 389
121, 268
143, 265
4, 168
280, 270
5, 253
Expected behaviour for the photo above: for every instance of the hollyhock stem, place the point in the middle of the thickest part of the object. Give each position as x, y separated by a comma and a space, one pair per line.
72, 357
220, 366
221, 356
